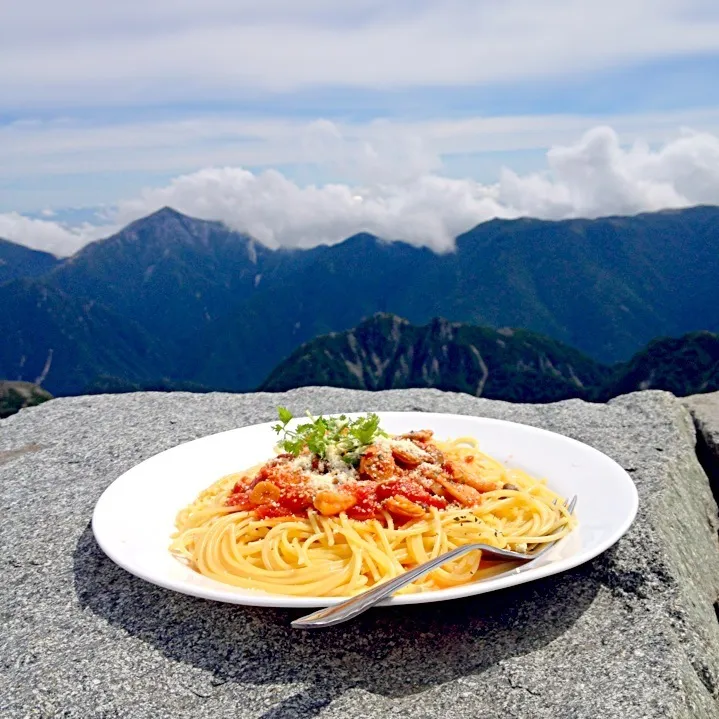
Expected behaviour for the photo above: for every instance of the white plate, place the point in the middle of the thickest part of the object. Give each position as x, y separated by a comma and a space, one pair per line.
135, 515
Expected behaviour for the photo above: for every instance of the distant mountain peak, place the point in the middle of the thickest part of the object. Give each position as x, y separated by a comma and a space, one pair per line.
388, 352
383, 316
363, 238
164, 217
169, 224
18, 261
166, 213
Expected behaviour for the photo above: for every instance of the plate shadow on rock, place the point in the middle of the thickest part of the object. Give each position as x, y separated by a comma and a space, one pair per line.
393, 652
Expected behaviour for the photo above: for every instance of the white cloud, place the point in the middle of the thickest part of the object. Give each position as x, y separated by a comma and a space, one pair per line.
49, 236
156, 61
597, 177
593, 177
177, 50
377, 150
426, 210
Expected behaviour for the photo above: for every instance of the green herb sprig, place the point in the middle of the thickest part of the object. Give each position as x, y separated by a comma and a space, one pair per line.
348, 438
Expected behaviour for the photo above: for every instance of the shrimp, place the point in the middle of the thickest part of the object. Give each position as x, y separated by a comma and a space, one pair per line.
400, 505
463, 493
409, 453
264, 493
460, 472
420, 435
435, 453
331, 503
377, 464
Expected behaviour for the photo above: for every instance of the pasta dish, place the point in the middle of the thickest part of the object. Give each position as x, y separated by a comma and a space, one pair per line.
344, 505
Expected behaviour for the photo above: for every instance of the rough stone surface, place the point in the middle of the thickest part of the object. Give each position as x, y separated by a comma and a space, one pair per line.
630, 634
705, 411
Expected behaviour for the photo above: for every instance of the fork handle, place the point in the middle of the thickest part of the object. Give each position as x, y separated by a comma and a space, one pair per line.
338, 613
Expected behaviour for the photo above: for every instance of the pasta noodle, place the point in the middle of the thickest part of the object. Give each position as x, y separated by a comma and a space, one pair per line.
327, 553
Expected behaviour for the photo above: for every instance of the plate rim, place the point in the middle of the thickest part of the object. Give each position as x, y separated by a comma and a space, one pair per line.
249, 597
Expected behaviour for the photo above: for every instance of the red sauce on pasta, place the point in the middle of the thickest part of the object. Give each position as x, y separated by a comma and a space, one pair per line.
400, 484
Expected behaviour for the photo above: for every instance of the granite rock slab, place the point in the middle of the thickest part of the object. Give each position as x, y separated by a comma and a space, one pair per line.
633, 633
705, 411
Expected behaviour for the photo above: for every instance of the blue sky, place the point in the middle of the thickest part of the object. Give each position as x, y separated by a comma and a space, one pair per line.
117, 105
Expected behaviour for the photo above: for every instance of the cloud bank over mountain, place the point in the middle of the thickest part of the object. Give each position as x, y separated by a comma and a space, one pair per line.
401, 192
47, 235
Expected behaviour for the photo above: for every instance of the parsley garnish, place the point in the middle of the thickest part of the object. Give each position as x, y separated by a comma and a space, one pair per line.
349, 438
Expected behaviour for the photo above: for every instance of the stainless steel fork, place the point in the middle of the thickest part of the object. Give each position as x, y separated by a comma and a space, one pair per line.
338, 613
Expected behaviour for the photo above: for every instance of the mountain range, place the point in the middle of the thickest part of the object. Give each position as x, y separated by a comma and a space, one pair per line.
19, 261
175, 302
387, 352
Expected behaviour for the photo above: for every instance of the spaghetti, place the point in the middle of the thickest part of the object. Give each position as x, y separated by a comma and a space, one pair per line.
328, 524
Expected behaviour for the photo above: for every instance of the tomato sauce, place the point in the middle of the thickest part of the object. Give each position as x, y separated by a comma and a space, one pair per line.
296, 498
414, 491
368, 505
282, 490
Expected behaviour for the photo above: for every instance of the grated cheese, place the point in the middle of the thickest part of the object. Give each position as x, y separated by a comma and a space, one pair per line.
302, 463
406, 446
339, 472
320, 481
